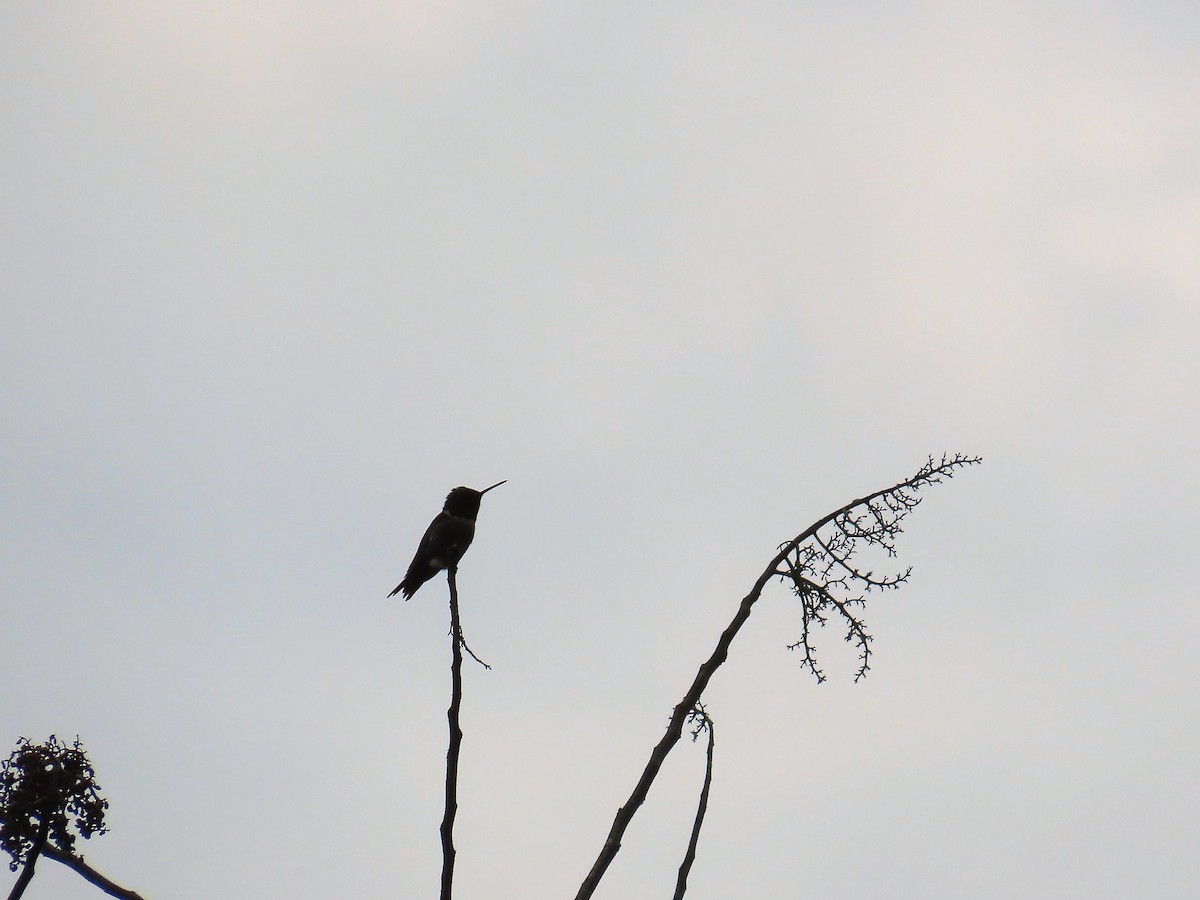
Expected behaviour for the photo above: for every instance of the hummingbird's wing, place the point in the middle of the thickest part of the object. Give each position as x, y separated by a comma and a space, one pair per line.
419, 570
444, 542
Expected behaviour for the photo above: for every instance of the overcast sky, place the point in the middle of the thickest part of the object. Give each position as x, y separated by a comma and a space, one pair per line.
276, 276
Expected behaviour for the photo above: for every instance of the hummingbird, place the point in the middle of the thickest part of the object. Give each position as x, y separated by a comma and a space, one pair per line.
446, 539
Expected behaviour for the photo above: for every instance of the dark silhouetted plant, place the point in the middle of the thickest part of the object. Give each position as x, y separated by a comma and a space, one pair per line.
48, 792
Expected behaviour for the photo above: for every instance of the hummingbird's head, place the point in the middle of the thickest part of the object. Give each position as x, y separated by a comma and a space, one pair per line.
464, 501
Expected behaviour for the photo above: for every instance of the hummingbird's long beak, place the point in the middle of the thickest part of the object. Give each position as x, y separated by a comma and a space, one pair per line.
496, 485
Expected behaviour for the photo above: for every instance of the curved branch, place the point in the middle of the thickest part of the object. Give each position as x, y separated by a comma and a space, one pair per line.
930, 473
71, 861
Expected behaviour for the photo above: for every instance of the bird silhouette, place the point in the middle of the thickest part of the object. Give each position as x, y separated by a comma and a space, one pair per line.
446, 539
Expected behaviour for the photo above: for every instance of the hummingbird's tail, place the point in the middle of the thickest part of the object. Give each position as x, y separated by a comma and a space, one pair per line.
407, 587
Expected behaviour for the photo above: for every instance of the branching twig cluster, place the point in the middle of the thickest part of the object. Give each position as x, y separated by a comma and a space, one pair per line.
823, 563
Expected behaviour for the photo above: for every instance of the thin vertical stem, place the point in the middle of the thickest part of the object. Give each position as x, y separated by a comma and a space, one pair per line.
31, 859
685, 867
447, 829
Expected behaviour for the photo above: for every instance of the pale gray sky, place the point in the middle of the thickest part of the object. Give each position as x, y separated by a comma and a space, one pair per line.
276, 276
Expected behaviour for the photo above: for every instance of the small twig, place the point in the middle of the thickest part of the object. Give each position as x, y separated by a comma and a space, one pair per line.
867, 578
462, 640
